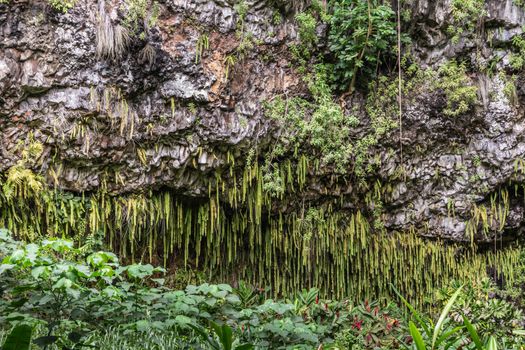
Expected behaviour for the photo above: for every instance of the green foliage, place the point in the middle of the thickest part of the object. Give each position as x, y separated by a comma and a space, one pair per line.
466, 16
362, 36
53, 285
519, 3
224, 336
74, 298
112, 40
203, 44
510, 90
517, 58
62, 5
465, 312
373, 328
485, 306
432, 336
461, 95
307, 25
140, 15
241, 8
516, 291
327, 130
59, 5
19, 338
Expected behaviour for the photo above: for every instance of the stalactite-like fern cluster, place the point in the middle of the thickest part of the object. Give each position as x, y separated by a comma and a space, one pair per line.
233, 235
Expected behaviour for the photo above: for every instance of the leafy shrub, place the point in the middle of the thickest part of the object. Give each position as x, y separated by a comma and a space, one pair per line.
63, 5
373, 328
307, 24
517, 58
60, 5
466, 15
481, 303
71, 297
141, 13
461, 95
457, 326
320, 123
362, 36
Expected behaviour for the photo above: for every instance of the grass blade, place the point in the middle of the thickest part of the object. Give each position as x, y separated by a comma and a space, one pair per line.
473, 333
444, 315
447, 335
519, 332
418, 339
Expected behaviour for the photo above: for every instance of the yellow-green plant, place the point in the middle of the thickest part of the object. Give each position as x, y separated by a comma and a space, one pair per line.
461, 95
466, 16
203, 44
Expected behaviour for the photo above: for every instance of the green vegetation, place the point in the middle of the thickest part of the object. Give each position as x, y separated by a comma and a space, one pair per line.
520, 3
56, 295
461, 95
322, 126
62, 5
517, 58
221, 237
464, 312
257, 225
327, 130
362, 36
140, 15
203, 44
466, 17
307, 25
510, 89
59, 5
114, 39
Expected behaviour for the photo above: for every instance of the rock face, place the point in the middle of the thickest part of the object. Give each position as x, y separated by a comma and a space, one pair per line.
171, 111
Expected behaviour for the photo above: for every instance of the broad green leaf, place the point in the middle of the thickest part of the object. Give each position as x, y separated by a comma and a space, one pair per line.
5, 235
82, 270
63, 283
219, 294
38, 271
227, 337
181, 319
418, 339
225, 287
19, 338
32, 251
17, 256
142, 325
159, 281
